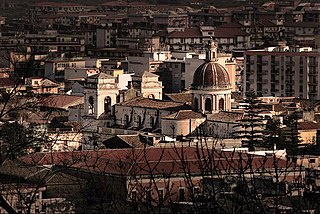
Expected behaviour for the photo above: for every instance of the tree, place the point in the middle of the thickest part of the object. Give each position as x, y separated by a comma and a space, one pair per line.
273, 134
291, 135
17, 140
252, 124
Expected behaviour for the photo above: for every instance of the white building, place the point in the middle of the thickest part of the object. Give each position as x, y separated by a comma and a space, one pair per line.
283, 72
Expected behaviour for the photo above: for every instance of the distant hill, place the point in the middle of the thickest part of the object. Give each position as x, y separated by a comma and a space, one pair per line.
19, 11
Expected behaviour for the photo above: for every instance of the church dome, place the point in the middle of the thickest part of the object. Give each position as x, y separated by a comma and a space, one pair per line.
211, 75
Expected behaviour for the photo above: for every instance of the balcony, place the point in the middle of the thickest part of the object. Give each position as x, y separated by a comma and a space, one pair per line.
289, 91
313, 74
290, 82
312, 83
313, 64
313, 93
290, 63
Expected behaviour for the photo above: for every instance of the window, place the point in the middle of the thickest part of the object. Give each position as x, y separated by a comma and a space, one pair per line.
91, 105
196, 190
107, 104
134, 195
181, 194
139, 120
148, 196
312, 160
126, 120
196, 104
221, 104
208, 105
160, 195
152, 123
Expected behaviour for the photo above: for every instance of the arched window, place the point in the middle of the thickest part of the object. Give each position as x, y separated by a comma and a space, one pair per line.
151, 96
126, 120
139, 120
91, 105
221, 104
118, 98
196, 104
208, 105
152, 122
107, 104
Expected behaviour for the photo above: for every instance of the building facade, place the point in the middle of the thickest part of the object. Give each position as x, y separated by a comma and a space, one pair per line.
282, 73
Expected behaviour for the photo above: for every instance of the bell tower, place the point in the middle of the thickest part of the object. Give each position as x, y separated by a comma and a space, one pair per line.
212, 51
100, 95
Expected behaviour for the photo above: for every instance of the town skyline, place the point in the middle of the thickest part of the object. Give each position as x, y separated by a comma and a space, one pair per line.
159, 106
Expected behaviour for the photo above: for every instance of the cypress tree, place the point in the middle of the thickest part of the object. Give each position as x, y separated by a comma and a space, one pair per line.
273, 134
291, 135
252, 124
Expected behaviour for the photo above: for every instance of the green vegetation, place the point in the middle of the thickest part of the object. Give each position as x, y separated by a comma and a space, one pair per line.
252, 124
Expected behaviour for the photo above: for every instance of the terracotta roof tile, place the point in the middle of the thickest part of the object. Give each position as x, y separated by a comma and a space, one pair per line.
55, 4
308, 125
158, 160
7, 82
155, 104
183, 115
220, 32
186, 33
180, 97
302, 24
225, 116
61, 101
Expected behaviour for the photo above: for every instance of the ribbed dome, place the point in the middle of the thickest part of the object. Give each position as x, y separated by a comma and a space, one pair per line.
211, 74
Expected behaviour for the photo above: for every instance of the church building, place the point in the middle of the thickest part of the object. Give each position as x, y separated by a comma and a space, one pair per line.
211, 87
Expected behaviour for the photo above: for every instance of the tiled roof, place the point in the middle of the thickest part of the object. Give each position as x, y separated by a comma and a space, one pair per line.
186, 33
155, 104
61, 101
308, 126
7, 82
153, 160
236, 96
267, 23
225, 116
55, 4
149, 74
180, 97
115, 3
220, 32
231, 25
183, 115
101, 76
302, 24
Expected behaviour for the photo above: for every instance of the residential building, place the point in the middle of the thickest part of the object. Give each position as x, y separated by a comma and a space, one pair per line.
282, 72
301, 33
171, 19
55, 68
231, 37
187, 39
40, 85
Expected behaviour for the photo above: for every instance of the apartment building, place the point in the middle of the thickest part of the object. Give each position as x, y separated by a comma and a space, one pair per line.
286, 72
